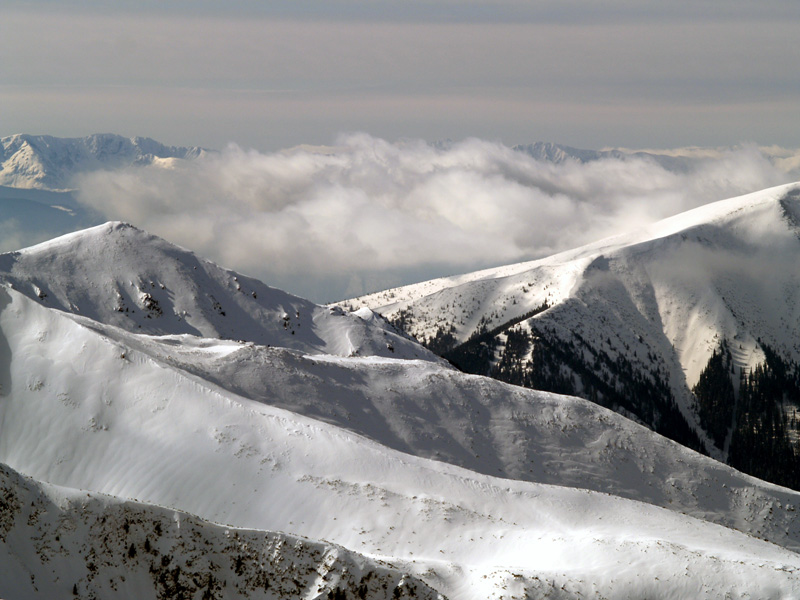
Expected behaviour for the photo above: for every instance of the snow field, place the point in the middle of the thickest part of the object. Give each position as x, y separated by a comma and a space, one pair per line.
151, 433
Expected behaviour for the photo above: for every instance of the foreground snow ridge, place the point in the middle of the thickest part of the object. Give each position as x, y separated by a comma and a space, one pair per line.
164, 464
70, 543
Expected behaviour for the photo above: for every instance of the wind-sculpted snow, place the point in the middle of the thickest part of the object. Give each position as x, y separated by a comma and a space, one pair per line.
96, 412
117, 274
61, 543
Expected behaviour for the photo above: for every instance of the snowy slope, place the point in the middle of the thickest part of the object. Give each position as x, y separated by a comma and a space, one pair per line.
50, 163
663, 298
117, 274
59, 543
86, 411
486, 426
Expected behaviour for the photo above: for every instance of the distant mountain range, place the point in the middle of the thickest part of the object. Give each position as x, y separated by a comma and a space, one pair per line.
49, 163
691, 326
172, 429
558, 153
37, 176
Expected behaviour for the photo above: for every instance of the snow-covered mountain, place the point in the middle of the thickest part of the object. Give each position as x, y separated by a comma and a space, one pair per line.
50, 163
96, 410
489, 427
62, 543
119, 275
635, 321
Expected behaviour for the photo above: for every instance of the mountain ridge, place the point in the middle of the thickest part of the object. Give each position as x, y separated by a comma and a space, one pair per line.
560, 153
117, 274
50, 163
488, 427
102, 546
145, 431
648, 309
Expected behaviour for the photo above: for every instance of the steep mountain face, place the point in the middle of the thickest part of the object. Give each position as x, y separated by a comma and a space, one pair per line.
101, 410
120, 275
635, 322
46, 162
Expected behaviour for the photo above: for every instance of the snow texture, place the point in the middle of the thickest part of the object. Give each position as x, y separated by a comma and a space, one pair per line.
61, 543
89, 411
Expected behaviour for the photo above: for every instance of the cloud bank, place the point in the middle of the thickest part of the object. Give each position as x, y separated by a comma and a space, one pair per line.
333, 222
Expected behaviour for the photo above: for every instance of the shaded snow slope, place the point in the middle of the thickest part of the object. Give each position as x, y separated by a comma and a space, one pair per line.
663, 298
50, 163
88, 412
60, 543
117, 274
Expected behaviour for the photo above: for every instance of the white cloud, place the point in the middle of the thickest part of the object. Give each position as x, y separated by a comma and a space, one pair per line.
367, 213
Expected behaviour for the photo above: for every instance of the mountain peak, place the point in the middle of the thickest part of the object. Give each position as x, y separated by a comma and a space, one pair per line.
120, 275
95, 243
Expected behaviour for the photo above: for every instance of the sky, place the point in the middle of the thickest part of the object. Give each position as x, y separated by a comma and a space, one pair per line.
268, 75
326, 183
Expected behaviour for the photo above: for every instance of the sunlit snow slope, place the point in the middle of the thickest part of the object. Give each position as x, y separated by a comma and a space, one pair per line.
117, 274
98, 412
61, 543
486, 426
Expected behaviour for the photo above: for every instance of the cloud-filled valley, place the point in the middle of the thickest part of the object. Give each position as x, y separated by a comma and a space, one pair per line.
328, 222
